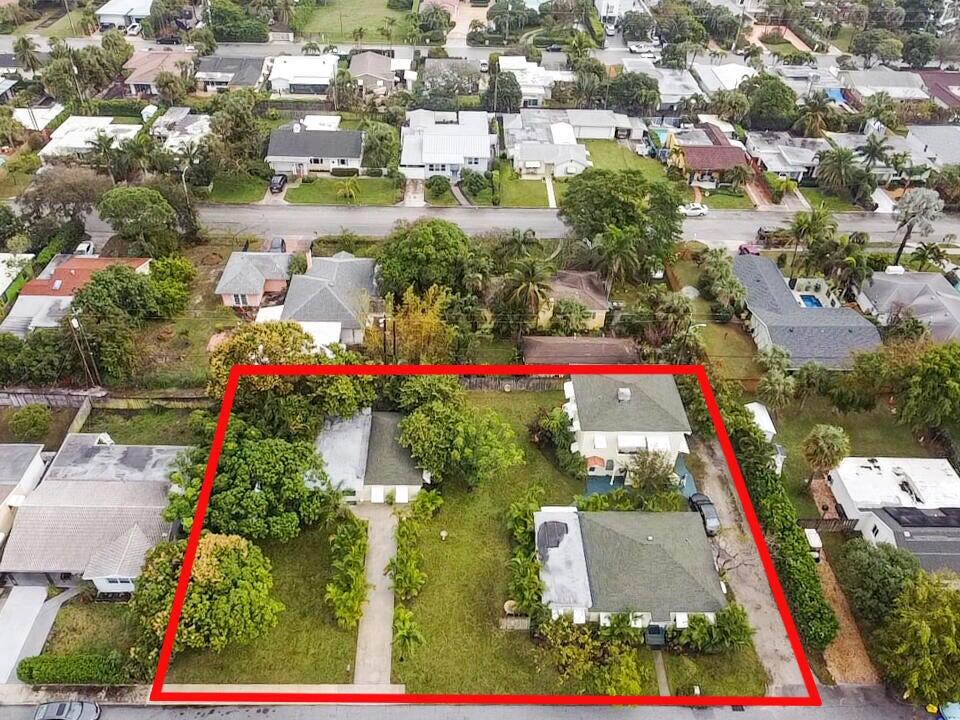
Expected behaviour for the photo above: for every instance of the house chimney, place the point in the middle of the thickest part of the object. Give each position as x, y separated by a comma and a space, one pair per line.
623, 394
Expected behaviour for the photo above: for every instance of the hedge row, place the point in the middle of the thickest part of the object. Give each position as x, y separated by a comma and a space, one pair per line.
74, 669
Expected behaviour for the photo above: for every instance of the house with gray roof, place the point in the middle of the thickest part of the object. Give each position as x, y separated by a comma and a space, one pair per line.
373, 72
94, 516
21, 467
216, 73
582, 286
299, 149
249, 276
364, 459
339, 290
615, 416
786, 155
927, 295
800, 325
940, 144
657, 567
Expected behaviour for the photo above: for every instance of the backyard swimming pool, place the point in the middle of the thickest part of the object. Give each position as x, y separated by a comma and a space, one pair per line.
811, 301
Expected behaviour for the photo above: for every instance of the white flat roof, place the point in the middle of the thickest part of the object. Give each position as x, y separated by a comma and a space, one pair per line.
305, 69
899, 482
126, 7
37, 118
762, 417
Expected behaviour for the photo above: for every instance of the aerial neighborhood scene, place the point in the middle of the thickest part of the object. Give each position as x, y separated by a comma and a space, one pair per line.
691, 271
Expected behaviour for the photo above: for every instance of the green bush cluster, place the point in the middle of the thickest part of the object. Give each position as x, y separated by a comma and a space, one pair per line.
75, 669
525, 587
554, 428
31, 422
347, 592
730, 631
404, 567
344, 172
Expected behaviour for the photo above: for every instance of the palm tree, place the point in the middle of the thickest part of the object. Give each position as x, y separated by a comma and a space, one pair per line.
529, 283
310, 48
358, 34
283, 11
577, 47
10, 130
836, 169
916, 209
880, 106
874, 150
101, 153
824, 448
518, 244
730, 105
406, 633
929, 254
169, 87
88, 21
740, 175
26, 51
848, 263
776, 389
387, 27
349, 190
808, 228
617, 254
816, 111
586, 89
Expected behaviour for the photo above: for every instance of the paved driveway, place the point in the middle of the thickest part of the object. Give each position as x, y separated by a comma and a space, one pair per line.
20, 609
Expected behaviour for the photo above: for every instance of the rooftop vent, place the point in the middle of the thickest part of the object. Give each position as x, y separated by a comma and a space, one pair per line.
57, 284
623, 394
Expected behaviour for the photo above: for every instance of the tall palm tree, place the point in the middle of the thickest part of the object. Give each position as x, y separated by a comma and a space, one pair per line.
836, 169
730, 105
310, 48
101, 153
617, 254
929, 254
387, 27
816, 111
577, 47
740, 175
586, 89
529, 283
880, 106
776, 389
824, 447
519, 244
26, 51
283, 11
349, 190
358, 35
848, 264
807, 228
88, 21
875, 150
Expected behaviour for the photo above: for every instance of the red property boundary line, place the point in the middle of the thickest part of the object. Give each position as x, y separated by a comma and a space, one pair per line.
158, 694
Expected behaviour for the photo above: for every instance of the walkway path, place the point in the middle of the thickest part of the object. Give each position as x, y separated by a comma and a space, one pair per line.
458, 194
662, 685
846, 657
26, 620
551, 194
375, 635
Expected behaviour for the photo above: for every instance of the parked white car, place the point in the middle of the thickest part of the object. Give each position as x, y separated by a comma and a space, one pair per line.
134, 29
694, 210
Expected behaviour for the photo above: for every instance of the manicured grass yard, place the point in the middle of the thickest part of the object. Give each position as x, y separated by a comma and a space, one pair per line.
12, 184
467, 575
306, 646
86, 626
237, 189
611, 155
843, 38
834, 203
518, 193
726, 673
336, 21
874, 433
51, 441
727, 199
728, 343
445, 200
323, 191
160, 426
493, 351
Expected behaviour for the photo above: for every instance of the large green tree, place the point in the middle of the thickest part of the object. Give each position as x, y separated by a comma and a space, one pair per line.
503, 94
422, 254
634, 94
932, 397
773, 104
874, 576
118, 291
142, 217
229, 600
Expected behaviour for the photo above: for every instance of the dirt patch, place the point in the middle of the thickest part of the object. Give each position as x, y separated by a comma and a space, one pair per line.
846, 657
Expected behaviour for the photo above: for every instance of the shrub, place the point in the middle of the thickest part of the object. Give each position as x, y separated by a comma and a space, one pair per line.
347, 591
344, 172
730, 631
259, 168
404, 567
31, 422
472, 182
74, 669
298, 264
373, 172
437, 185
308, 179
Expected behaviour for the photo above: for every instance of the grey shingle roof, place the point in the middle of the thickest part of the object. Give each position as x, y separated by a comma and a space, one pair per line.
15, 458
936, 548
286, 142
334, 289
825, 335
370, 63
245, 71
650, 562
586, 287
928, 295
654, 404
81, 457
387, 462
246, 272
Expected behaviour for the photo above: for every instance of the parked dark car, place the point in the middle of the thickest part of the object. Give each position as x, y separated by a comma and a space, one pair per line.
555, 47
277, 245
708, 513
278, 183
169, 40
67, 710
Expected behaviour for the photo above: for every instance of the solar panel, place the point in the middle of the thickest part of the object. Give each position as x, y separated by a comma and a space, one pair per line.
915, 517
549, 535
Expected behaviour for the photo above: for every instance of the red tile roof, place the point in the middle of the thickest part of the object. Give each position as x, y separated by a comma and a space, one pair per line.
713, 157
71, 275
942, 84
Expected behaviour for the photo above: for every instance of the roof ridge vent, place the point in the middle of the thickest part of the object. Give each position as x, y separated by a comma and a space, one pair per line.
623, 394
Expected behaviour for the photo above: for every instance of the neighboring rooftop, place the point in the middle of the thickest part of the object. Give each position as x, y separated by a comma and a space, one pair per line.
939, 143
304, 69
77, 132
94, 457
585, 286
246, 272
652, 403
542, 349
15, 459
145, 65
898, 85
334, 289
297, 141
781, 152
943, 86
371, 63
75, 272
342, 443
675, 85
236, 71
389, 463
727, 76
927, 295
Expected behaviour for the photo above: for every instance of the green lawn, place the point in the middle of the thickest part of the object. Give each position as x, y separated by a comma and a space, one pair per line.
559, 189
467, 575
842, 41
62, 417
159, 426
872, 434
727, 199
445, 200
611, 155
237, 189
518, 193
306, 646
492, 351
336, 20
726, 673
86, 626
61, 28
834, 203
323, 191
728, 343
12, 184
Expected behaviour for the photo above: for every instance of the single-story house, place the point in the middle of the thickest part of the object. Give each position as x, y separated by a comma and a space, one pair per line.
927, 295
144, 65
9, 65
373, 72
558, 160
216, 73
658, 567
552, 350
913, 503
444, 143
583, 286
177, 127
365, 460
21, 467
612, 10
295, 149
336, 297
917, 166
764, 421
706, 164
7, 86
121, 13
942, 85
303, 74
900, 86
249, 276
37, 117
73, 139
536, 82
727, 76
46, 299
799, 323
94, 516
675, 85
786, 155
614, 416
805, 80
940, 144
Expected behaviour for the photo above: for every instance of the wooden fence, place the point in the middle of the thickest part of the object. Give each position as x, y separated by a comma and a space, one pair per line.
528, 383
828, 524
67, 398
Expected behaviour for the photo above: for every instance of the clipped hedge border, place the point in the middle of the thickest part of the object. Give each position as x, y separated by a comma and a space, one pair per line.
75, 669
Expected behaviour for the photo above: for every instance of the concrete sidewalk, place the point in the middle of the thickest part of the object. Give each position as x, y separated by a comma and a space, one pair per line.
375, 634
20, 611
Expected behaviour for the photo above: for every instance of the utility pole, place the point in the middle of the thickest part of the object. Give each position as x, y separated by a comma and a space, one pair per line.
75, 323
83, 358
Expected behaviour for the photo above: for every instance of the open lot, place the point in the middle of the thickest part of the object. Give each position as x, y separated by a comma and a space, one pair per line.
324, 191
834, 203
83, 625
237, 189
727, 673
337, 20
611, 155
306, 646
158, 426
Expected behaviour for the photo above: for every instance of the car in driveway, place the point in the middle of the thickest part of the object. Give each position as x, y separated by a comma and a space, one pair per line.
484, 66
169, 40
278, 183
694, 210
708, 513
554, 47
610, 30
67, 710
134, 29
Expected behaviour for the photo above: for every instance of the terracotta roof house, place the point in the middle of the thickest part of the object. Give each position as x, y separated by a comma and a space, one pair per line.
943, 86
144, 66
44, 300
584, 287
552, 350
707, 164
373, 72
